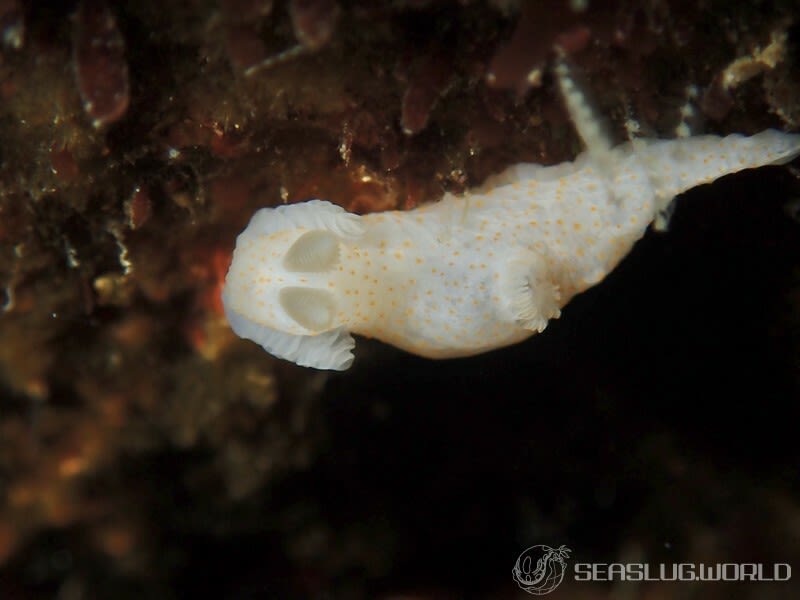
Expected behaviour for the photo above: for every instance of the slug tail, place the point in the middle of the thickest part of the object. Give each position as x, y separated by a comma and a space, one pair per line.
678, 165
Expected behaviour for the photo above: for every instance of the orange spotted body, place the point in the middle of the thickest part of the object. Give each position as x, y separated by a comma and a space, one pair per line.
467, 274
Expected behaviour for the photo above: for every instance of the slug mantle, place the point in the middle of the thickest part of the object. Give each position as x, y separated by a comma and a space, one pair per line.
467, 274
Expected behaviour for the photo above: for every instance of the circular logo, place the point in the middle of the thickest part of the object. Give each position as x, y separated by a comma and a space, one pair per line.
540, 569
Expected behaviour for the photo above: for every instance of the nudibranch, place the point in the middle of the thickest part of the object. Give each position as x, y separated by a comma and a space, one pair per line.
467, 274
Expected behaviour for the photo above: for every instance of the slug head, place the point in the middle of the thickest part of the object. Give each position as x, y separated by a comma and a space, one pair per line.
281, 289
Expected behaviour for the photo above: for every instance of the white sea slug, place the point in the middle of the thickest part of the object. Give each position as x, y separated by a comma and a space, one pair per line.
467, 274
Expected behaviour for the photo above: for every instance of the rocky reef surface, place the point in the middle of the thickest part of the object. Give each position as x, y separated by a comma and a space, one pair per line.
147, 452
